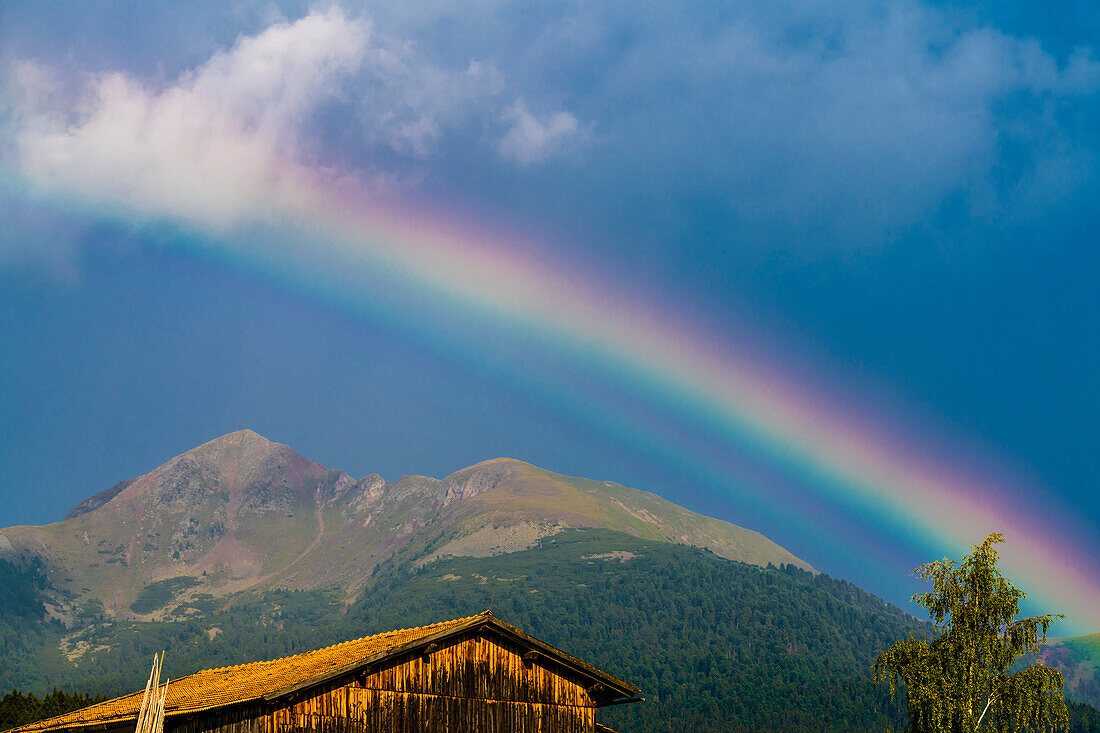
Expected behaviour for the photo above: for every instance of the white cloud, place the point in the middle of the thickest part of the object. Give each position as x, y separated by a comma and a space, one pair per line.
530, 140
238, 137
216, 144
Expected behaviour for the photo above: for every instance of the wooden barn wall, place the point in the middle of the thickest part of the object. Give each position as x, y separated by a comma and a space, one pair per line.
489, 669
244, 719
473, 684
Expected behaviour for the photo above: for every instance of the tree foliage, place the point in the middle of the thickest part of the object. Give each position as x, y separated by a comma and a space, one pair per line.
17, 708
966, 679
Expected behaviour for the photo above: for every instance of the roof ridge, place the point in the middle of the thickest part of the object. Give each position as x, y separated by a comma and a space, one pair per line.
338, 644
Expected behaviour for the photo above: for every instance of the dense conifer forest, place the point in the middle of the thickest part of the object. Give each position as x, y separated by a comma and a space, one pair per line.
17, 708
715, 645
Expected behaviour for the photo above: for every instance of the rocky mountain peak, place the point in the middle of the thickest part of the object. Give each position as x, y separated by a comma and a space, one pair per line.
208, 462
240, 444
482, 477
97, 500
242, 512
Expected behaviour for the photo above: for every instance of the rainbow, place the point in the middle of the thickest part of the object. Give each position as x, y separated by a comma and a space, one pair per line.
336, 245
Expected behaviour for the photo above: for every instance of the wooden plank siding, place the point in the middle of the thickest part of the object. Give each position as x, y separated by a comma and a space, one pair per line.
402, 712
242, 719
468, 683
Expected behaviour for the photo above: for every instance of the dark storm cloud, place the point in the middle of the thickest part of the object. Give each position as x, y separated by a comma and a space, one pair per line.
812, 125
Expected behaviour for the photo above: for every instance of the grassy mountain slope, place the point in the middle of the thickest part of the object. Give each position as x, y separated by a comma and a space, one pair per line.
242, 513
198, 516
1078, 659
537, 495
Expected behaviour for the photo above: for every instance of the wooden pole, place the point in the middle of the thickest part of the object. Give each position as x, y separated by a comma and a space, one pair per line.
151, 717
159, 725
145, 697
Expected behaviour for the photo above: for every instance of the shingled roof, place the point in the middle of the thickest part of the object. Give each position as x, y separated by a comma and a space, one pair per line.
268, 681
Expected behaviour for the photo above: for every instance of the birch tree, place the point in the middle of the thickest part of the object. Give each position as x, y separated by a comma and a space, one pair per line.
964, 680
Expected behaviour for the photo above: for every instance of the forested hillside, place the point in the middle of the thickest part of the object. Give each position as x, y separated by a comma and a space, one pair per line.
715, 645
28, 644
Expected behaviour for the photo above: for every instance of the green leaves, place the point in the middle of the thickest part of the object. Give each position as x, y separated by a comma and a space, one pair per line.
961, 682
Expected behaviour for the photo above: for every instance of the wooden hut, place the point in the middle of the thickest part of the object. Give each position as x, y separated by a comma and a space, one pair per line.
466, 675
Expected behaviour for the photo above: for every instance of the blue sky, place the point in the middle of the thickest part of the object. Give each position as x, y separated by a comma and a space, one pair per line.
897, 200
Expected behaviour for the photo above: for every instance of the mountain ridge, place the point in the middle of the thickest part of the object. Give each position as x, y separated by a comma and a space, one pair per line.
241, 512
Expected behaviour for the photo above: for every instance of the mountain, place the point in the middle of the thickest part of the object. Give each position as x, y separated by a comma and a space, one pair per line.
241, 549
1078, 659
243, 513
